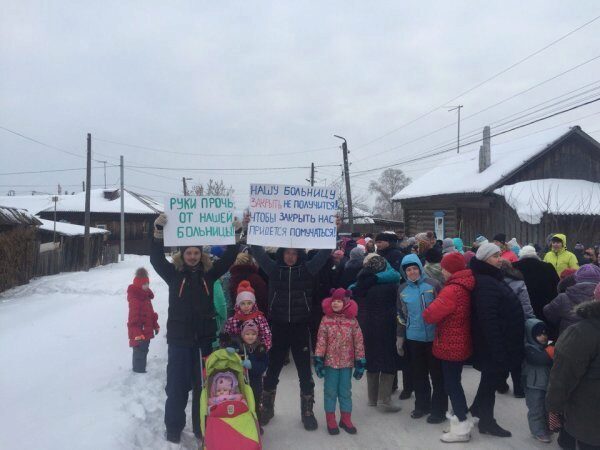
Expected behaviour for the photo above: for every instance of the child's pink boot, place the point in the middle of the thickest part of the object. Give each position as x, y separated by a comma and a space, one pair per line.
331, 423
346, 423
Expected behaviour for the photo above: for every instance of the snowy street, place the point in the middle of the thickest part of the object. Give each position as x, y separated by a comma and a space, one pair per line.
66, 380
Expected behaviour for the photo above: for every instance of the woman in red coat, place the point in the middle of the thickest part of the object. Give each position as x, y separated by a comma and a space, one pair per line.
142, 324
451, 312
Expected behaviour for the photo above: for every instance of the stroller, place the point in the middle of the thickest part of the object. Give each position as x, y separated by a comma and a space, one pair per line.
230, 424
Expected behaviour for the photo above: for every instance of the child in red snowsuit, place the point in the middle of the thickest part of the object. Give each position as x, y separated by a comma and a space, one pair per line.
340, 348
142, 324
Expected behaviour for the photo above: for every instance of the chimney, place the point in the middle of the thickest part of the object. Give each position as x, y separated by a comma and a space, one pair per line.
485, 156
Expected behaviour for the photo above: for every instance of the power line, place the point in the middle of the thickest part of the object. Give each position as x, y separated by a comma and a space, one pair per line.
216, 155
478, 85
243, 169
479, 140
50, 171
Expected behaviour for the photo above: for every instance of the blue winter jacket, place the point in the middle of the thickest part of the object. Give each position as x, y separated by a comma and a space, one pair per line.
413, 298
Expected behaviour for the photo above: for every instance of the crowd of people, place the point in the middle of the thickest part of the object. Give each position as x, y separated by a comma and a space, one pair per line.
405, 310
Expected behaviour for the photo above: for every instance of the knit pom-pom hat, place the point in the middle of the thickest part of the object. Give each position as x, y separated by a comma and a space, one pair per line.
245, 292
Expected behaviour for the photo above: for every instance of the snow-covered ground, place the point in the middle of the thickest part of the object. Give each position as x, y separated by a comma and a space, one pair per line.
66, 380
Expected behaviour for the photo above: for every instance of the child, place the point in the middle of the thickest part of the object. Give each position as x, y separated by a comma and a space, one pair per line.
246, 309
256, 359
224, 388
339, 349
536, 374
142, 324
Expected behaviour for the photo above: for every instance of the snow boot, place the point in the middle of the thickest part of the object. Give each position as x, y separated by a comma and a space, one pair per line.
174, 436
306, 409
267, 409
384, 400
459, 431
332, 427
346, 423
373, 387
494, 429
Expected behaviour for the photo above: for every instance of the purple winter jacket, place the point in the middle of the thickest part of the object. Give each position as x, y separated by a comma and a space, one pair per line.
560, 311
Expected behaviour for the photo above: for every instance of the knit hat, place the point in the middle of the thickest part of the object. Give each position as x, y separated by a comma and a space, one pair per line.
433, 255
480, 240
411, 241
340, 294
339, 253
528, 252
375, 263
357, 252
249, 325
141, 277
388, 237
245, 292
469, 255
448, 246
486, 250
453, 262
588, 273
243, 259
567, 273
500, 237
597, 293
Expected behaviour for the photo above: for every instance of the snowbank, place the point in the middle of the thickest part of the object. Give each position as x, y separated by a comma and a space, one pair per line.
531, 199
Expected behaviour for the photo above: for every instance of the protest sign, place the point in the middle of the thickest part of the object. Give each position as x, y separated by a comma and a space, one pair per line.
199, 221
292, 216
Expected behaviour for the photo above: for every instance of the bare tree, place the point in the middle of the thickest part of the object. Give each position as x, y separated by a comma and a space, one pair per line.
390, 183
214, 188
359, 201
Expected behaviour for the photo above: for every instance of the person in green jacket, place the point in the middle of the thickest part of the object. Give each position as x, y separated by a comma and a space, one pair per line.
559, 256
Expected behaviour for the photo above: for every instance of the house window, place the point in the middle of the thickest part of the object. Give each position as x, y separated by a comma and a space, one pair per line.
101, 226
438, 224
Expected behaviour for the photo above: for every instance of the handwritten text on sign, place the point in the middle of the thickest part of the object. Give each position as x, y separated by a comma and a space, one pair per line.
292, 216
199, 221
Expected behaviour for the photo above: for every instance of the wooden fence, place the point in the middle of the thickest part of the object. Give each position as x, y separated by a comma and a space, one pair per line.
59, 259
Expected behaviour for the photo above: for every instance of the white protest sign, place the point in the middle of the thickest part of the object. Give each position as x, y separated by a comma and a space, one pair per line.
199, 221
292, 216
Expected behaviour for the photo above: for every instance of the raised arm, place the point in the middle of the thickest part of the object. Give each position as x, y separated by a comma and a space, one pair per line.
164, 268
222, 265
264, 261
318, 261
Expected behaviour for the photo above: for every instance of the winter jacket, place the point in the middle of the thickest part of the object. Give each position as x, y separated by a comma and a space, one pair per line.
451, 313
514, 279
142, 318
340, 339
537, 364
393, 255
233, 326
459, 245
509, 255
220, 303
192, 315
413, 298
496, 321
249, 272
574, 388
563, 259
541, 280
350, 273
259, 359
376, 295
560, 311
290, 287
434, 270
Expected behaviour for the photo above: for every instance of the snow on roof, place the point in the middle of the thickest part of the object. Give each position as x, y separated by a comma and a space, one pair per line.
68, 229
14, 216
459, 174
99, 203
531, 199
360, 216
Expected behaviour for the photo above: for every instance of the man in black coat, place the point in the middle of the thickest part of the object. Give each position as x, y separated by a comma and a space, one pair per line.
540, 278
191, 323
387, 247
498, 334
291, 283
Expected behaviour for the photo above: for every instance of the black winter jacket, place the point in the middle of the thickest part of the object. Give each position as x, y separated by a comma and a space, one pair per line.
497, 321
191, 321
541, 280
393, 255
290, 287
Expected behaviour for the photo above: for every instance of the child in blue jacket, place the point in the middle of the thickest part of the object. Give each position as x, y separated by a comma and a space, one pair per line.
414, 296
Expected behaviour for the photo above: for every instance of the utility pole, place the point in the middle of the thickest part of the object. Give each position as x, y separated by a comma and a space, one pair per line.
54, 199
311, 180
122, 209
347, 177
185, 190
457, 108
88, 184
83, 186
104, 162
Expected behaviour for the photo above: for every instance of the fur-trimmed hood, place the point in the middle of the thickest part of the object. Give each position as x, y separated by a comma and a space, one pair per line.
301, 257
349, 311
205, 262
589, 310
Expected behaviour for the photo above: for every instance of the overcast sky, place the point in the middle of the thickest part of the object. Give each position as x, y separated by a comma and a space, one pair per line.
267, 84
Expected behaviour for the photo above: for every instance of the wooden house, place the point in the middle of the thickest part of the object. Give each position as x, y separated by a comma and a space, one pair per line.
527, 188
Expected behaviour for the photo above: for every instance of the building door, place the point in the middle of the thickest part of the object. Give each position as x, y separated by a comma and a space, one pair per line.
438, 224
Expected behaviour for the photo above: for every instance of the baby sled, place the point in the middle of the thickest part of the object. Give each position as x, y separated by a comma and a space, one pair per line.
231, 424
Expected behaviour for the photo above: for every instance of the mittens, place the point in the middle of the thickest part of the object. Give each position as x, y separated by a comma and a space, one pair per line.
319, 366
359, 368
159, 224
247, 364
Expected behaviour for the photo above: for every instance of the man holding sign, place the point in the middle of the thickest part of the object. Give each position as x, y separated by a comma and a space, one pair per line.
190, 222
292, 217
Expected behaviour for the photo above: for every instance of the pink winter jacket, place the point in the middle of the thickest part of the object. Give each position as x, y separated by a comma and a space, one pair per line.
340, 339
233, 326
